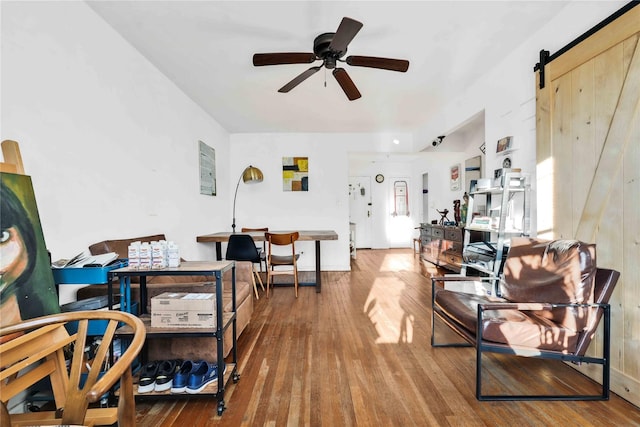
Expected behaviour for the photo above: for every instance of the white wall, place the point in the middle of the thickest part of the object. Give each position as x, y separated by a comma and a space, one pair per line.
324, 206
110, 143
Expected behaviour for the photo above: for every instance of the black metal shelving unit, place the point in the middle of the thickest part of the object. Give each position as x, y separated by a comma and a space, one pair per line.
216, 269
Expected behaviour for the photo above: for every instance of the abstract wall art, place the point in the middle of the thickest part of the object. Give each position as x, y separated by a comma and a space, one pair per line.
295, 174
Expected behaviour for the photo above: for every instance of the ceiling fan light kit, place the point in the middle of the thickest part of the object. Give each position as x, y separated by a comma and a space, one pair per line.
330, 48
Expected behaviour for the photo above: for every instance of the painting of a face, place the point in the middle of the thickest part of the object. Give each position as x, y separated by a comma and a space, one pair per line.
27, 288
13, 256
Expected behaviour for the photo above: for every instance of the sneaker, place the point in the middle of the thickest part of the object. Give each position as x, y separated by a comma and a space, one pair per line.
181, 378
166, 372
203, 375
148, 375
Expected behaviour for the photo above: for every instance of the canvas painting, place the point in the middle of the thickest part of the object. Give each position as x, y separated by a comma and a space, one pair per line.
27, 288
295, 173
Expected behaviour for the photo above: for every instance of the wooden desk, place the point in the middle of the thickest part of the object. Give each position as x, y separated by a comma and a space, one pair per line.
305, 235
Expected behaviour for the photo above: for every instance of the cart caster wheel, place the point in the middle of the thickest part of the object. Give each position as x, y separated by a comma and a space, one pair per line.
236, 377
221, 407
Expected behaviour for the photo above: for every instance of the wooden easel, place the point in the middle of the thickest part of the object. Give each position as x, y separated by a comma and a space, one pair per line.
12, 158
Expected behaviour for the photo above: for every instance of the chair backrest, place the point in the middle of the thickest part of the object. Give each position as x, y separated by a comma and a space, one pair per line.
557, 271
37, 351
246, 230
282, 239
242, 247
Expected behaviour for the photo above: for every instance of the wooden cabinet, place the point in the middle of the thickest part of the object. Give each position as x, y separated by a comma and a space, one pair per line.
442, 245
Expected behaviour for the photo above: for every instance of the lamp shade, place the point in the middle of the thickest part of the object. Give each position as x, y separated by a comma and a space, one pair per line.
252, 175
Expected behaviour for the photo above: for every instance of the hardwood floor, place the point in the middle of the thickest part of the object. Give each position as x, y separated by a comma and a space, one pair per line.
359, 354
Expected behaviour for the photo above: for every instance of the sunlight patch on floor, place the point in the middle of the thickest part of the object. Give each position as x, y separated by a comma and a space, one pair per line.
384, 306
393, 262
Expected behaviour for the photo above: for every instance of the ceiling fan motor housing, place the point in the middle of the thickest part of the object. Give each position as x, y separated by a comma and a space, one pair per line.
322, 51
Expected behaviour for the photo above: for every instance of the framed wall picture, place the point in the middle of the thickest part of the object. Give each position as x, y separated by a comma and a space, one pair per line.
207, 169
504, 144
455, 177
295, 174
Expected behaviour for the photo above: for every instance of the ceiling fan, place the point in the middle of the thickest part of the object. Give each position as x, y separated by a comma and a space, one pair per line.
330, 48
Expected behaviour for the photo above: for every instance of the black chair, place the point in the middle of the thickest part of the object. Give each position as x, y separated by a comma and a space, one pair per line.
242, 247
263, 250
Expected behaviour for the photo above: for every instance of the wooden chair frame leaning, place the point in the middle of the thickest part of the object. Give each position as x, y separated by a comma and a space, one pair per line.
40, 343
605, 281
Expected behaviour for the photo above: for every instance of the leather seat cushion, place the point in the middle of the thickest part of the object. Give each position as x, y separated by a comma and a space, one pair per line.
511, 327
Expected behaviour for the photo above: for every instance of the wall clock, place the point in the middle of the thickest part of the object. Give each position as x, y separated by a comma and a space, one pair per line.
379, 178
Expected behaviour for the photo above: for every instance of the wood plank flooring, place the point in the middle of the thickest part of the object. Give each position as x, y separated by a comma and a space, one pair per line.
359, 354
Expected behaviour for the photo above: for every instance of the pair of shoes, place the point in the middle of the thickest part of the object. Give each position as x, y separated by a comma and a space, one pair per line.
181, 378
204, 374
166, 371
157, 376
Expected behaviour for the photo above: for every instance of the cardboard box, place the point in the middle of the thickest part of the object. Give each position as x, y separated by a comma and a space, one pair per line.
183, 310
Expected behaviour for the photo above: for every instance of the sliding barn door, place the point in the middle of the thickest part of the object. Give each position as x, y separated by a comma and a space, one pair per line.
588, 171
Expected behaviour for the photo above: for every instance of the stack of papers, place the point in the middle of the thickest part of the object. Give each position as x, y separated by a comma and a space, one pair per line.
83, 259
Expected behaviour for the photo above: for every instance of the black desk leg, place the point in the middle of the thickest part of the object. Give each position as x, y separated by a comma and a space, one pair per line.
219, 251
318, 273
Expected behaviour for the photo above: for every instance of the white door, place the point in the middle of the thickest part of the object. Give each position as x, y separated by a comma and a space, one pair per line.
360, 209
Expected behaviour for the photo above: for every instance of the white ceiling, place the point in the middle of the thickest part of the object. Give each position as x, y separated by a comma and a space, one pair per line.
206, 48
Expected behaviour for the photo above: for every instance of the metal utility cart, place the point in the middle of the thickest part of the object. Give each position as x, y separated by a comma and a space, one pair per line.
224, 321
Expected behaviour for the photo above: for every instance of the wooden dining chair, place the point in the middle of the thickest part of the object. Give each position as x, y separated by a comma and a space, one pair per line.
263, 250
276, 260
35, 349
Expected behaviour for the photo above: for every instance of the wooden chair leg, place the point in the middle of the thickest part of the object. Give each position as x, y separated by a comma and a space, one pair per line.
259, 278
253, 282
269, 279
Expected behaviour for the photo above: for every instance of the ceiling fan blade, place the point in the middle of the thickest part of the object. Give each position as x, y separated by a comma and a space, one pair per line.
346, 84
344, 34
401, 65
260, 59
302, 77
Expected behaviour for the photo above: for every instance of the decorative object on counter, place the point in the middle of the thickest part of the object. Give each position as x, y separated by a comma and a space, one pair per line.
250, 175
464, 208
443, 216
456, 211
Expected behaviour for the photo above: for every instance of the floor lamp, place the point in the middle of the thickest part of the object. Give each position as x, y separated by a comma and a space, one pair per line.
251, 175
